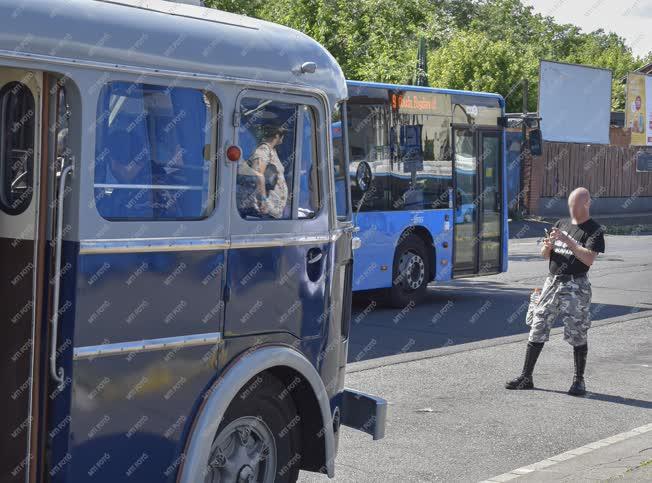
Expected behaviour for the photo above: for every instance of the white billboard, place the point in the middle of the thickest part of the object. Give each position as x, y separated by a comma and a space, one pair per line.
574, 102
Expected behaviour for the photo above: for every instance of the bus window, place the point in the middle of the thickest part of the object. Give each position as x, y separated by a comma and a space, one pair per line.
267, 136
62, 150
309, 189
339, 163
16, 147
422, 177
369, 141
154, 153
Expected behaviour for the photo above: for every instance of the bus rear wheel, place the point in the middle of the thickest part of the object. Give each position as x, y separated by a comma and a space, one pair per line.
258, 440
410, 272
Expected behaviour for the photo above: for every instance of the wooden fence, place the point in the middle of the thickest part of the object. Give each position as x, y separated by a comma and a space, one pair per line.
606, 170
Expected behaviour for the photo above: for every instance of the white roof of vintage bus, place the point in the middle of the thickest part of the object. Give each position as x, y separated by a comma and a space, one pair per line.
156, 34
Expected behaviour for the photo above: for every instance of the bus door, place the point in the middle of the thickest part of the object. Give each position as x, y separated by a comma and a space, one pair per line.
489, 142
476, 181
278, 267
22, 228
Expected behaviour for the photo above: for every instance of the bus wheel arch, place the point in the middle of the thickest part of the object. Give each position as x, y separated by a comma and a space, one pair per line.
281, 362
311, 420
425, 235
414, 254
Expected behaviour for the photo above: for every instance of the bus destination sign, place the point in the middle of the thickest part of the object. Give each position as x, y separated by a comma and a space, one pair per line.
420, 103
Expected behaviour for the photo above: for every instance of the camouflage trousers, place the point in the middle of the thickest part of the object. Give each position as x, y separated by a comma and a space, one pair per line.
568, 299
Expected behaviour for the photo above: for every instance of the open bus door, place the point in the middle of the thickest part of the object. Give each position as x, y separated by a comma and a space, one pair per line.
26, 206
477, 201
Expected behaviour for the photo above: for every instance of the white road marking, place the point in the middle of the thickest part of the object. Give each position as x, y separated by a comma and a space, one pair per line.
573, 453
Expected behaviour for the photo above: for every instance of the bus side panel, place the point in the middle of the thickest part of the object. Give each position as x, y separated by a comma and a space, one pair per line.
380, 232
135, 296
372, 262
128, 414
271, 290
440, 224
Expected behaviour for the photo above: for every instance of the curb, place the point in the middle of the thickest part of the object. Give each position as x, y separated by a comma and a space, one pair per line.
568, 455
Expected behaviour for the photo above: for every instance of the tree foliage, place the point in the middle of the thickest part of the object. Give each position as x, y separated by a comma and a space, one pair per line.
487, 45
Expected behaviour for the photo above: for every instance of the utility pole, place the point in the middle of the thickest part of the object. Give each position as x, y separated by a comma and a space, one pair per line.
523, 143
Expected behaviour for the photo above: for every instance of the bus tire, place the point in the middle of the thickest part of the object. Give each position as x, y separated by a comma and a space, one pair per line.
410, 272
258, 439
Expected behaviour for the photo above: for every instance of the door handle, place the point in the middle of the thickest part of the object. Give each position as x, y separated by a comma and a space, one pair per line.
314, 264
57, 372
315, 257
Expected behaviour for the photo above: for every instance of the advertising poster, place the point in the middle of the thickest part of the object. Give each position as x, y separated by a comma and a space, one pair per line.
638, 109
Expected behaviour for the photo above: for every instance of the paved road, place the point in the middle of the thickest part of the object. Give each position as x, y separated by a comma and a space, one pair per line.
484, 308
449, 417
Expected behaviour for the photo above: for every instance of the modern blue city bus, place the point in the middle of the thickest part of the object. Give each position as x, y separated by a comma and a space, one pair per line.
175, 293
436, 205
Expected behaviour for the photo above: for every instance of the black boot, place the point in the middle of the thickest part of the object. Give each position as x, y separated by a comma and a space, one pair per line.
579, 354
524, 381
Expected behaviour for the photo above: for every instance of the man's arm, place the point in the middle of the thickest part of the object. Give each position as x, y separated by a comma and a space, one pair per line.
586, 256
548, 243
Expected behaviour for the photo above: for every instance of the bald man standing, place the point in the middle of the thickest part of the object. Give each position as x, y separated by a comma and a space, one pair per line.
571, 247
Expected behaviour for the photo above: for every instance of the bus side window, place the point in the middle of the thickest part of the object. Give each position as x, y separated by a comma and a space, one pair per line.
368, 138
62, 150
339, 163
154, 154
309, 188
265, 180
17, 112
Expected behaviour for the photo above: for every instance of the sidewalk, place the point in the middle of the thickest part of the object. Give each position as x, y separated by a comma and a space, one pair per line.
623, 457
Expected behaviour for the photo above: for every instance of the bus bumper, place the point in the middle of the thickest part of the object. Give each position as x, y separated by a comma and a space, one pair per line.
364, 412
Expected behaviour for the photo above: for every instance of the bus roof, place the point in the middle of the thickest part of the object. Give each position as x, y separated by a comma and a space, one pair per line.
425, 89
156, 35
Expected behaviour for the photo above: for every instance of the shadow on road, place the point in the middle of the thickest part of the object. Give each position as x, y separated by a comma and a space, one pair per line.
638, 403
456, 313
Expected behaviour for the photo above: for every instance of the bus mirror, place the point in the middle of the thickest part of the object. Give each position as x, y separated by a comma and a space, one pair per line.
536, 143
364, 176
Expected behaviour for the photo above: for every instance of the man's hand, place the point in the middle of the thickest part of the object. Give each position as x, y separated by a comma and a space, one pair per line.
546, 250
557, 234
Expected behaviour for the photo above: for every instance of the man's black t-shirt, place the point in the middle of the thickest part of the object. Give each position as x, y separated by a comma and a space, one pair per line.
589, 234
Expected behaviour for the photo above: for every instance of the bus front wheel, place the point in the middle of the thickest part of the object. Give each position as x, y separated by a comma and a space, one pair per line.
410, 272
258, 439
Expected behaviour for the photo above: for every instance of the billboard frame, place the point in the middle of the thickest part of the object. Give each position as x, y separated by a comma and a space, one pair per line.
575, 65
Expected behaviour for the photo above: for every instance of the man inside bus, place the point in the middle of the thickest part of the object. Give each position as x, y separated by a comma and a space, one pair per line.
571, 248
123, 168
262, 189
126, 167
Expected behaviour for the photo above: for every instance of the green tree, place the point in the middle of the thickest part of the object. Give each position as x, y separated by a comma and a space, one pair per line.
472, 61
481, 45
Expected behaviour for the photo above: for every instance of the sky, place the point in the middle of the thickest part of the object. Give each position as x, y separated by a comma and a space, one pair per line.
631, 19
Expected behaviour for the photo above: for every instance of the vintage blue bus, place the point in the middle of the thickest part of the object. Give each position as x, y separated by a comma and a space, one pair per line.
436, 205
176, 277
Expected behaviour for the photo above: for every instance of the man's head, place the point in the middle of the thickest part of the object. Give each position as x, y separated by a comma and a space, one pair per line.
579, 203
124, 166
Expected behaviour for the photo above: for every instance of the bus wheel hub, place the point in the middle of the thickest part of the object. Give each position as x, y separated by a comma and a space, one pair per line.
243, 452
412, 270
246, 474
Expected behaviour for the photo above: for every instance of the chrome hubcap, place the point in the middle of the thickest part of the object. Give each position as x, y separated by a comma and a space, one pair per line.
243, 452
412, 270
